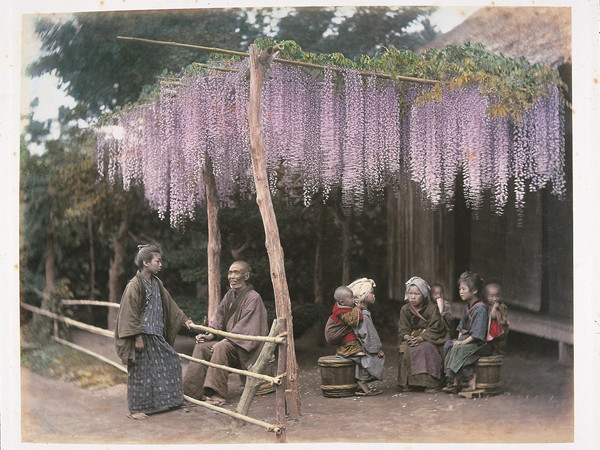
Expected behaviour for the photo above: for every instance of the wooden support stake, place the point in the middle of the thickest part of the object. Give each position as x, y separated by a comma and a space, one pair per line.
280, 391
265, 205
213, 247
252, 384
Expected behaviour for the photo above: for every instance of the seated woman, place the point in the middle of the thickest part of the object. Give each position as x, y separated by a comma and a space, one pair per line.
421, 333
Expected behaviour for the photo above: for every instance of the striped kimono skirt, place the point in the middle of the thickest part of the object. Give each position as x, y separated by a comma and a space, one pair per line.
154, 379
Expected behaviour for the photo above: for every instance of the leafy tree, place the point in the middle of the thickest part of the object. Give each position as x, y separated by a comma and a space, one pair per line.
103, 72
366, 32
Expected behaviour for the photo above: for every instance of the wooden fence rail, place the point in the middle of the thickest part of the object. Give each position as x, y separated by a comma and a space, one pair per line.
90, 302
279, 429
260, 376
72, 322
276, 339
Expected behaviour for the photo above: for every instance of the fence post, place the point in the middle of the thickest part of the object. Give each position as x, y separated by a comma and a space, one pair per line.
280, 390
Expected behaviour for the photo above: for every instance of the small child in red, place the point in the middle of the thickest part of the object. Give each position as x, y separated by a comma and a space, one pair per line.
498, 324
344, 316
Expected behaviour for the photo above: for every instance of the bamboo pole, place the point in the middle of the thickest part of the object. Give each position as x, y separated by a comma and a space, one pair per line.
103, 332
218, 68
265, 205
274, 428
91, 353
247, 337
284, 61
90, 302
75, 323
260, 376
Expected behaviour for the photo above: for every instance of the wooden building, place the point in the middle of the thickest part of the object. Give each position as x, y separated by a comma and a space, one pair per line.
531, 255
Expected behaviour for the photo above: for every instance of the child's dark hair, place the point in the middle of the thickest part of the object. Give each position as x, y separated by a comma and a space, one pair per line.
436, 285
341, 293
473, 281
145, 253
492, 282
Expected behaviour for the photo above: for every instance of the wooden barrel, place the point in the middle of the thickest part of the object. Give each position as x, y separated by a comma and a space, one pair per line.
487, 370
337, 376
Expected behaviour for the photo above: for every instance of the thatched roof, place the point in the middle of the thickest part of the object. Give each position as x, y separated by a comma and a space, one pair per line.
541, 34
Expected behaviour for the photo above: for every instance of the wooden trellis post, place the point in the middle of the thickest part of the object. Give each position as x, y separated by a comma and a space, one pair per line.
272, 241
213, 249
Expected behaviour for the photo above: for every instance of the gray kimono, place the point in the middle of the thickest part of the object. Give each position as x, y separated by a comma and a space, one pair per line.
370, 366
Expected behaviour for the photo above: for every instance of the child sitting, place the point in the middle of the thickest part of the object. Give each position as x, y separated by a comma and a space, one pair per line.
497, 318
344, 317
437, 293
461, 354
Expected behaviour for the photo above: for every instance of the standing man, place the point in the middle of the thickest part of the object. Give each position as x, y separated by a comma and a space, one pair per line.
241, 311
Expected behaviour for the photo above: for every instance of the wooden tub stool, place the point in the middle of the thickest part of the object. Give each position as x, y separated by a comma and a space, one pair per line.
337, 376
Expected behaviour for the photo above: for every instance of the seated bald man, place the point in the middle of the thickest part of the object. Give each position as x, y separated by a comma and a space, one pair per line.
241, 311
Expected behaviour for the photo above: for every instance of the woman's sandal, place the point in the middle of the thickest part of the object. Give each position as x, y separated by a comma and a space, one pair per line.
137, 416
452, 388
369, 393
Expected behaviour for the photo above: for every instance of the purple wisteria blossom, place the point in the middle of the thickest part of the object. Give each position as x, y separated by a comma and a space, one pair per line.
333, 131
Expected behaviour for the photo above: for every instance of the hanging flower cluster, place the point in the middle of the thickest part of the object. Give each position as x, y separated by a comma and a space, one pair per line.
332, 131
455, 135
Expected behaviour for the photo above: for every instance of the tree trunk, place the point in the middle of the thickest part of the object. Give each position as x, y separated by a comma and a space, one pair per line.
318, 267
346, 220
92, 258
49, 266
272, 241
42, 326
117, 267
213, 248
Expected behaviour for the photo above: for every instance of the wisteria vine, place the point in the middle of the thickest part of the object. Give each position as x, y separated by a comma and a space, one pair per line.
336, 132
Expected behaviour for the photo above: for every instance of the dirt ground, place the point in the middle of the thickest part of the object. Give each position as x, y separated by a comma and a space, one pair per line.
536, 405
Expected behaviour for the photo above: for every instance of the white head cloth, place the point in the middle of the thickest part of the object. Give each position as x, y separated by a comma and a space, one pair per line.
420, 283
361, 288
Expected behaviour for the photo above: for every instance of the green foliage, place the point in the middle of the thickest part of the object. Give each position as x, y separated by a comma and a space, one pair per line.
363, 32
58, 361
513, 85
103, 72
193, 307
43, 327
305, 316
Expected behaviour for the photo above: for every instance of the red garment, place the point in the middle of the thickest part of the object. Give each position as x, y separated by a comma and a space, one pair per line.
494, 329
336, 317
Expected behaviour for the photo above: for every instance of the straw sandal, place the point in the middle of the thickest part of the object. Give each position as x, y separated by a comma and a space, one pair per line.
369, 393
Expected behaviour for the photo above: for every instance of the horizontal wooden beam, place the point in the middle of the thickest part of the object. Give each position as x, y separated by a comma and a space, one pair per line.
280, 60
247, 373
276, 339
74, 323
90, 302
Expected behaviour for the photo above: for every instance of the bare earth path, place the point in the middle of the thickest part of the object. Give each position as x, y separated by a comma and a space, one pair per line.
536, 406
